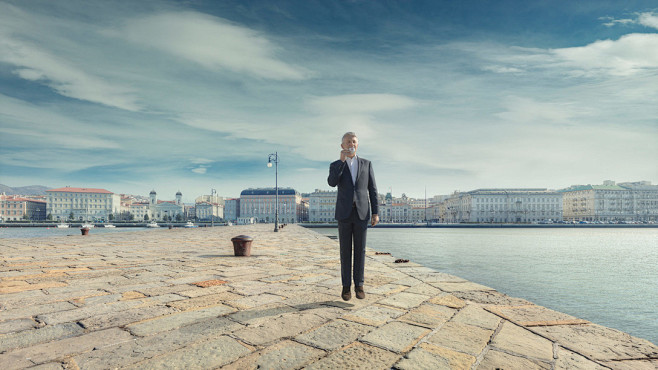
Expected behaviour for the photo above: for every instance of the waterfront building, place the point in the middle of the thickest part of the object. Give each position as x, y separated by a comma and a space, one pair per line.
190, 211
395, 213
610, 202
644, 200
16, 208
322, 206
232, 209
504, 205
261, 205
304, 209
209, 207
83, 203
161, 208
138, 210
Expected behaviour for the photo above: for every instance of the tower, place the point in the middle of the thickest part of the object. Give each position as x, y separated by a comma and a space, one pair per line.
179, 198
154, 200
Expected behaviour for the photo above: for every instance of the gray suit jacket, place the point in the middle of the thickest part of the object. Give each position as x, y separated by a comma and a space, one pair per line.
365, 189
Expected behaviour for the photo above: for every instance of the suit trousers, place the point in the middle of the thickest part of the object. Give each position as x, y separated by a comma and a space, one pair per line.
352, 231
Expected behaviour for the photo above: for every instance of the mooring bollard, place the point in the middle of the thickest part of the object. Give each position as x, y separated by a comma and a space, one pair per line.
242, 245
84, 230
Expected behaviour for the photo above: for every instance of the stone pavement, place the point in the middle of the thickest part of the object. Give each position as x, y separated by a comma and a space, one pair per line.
180, 299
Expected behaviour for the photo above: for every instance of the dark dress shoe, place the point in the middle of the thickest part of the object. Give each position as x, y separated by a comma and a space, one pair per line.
346, 295
360, 294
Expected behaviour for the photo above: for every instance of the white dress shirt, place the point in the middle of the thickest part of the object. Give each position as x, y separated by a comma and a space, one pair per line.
354, 167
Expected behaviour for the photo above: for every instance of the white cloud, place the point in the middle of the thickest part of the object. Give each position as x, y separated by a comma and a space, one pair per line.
64, 76
630, 54
501, 69
526, 111
211, 42
648, 19
200, 170
613, 22
360, 103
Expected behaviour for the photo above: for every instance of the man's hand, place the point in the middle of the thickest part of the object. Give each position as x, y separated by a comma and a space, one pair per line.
375, 220
344, 154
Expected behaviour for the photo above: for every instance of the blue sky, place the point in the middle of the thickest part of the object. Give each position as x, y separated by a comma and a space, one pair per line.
445, 95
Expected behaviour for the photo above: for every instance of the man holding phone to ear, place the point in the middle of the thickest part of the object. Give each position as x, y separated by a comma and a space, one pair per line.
355, 203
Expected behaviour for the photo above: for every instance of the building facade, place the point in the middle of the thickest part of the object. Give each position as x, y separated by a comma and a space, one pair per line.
504, 206
322, 206
16, 208
82, 203
261, 205
161, 209
610, 202
232, 209
209, 207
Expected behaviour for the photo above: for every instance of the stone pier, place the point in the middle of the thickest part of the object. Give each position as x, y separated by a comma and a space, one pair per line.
179, 299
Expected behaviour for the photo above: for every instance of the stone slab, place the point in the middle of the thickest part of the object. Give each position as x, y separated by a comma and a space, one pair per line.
374, 315
404, 300
448, 300
256, 316
490, 297
424, 289
533, 315
356, 356
598, 342
465, 286
205, 355
461, 337
281, 356
33, 337
499, 360
428, 315
474, 314
176, 320
204, 301
387, 289
428, 356
123, 318
334, 335
13, 326
515, 339
573, 361
255, 301
287, 325
47, 352
396, 336
140, 349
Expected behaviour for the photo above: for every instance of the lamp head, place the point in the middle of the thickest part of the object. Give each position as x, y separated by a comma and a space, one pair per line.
269, 164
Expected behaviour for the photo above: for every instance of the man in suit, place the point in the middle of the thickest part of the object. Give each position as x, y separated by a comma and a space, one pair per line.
355, 203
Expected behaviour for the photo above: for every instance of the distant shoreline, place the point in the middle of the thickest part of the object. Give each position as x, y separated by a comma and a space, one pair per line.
379, 226
487, 226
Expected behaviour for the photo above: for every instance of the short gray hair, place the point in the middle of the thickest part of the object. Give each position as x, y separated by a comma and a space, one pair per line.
350, 135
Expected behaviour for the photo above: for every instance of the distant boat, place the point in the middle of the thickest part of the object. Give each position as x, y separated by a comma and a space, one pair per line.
152, 224
190, 224
110, 225
88, 225
62, 226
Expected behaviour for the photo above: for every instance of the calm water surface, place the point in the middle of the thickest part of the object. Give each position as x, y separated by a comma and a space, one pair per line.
607, 276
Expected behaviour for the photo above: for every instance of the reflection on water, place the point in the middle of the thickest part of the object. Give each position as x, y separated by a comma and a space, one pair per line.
607, 276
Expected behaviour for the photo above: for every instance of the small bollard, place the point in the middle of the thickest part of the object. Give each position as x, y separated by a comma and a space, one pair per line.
84, 230
171, 227
242, 245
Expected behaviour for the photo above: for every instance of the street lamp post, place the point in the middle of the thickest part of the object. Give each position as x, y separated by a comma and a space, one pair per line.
275, 158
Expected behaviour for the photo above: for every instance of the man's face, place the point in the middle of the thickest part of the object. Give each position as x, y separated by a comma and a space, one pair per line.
350, 142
